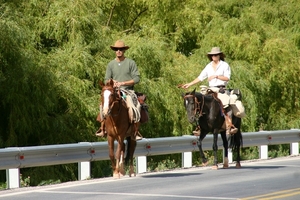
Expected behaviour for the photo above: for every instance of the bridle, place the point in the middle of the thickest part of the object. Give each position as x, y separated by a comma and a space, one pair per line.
198, 109
115, 92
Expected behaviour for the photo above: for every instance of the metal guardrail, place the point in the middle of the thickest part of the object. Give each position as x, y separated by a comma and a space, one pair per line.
14, 158
22, 157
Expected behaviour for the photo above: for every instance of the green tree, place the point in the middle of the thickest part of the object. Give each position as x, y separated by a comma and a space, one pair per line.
54, 53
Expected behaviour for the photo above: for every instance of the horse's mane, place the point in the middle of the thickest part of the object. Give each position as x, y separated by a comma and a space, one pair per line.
200, 96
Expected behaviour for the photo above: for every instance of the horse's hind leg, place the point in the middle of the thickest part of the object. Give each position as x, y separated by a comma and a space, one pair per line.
238, 161
237, 140
129, 156
225, 146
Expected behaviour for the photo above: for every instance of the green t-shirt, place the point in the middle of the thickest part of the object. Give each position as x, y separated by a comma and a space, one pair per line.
123, 71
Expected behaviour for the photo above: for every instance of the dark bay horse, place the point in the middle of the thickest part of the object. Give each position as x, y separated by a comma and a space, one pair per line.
206, 111
118, 127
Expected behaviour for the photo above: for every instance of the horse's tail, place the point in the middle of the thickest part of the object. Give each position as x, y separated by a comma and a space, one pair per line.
236, 140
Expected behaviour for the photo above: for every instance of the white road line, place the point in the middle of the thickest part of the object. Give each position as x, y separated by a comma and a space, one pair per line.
137, 194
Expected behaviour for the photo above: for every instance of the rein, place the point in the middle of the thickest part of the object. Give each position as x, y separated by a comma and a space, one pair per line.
118, 99
198, 108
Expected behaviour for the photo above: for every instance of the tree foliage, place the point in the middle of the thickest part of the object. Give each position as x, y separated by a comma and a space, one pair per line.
53, 54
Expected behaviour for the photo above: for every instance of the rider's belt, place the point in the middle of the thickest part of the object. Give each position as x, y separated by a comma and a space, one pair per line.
220, 86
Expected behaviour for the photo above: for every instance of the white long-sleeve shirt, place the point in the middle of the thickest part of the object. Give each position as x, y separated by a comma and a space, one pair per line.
222, 69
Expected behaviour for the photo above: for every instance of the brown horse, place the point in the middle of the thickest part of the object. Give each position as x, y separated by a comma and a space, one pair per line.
118, 127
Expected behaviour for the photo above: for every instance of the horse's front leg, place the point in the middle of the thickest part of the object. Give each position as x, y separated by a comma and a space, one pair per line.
110, 141
122, 160
119, 156
215, 149
225, 146
202, 156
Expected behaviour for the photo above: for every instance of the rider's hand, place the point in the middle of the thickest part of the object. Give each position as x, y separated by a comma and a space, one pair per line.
185, 86
118, 84
212, 77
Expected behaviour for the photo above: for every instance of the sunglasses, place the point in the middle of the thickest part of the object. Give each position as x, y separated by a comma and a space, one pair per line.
215, 54
119, 49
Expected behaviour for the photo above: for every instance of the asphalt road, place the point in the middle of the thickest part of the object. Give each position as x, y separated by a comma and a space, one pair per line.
260, 179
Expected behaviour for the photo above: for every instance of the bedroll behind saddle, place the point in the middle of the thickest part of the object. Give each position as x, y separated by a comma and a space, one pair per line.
232, 99
137, 108
144, 107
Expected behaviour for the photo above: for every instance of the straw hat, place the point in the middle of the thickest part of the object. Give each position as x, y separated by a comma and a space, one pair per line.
214, 51
119, 44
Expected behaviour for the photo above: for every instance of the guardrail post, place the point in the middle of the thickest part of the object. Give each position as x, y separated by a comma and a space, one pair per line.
13, 178
84, 170
263, 152
294, 148
141, 164
186, 159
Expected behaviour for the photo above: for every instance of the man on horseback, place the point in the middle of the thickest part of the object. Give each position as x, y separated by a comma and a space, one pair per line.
218, 74
125, 74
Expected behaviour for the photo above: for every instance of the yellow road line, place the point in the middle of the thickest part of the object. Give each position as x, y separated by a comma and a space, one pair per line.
275, 195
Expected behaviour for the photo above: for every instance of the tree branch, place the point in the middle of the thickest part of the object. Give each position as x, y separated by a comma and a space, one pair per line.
110, 16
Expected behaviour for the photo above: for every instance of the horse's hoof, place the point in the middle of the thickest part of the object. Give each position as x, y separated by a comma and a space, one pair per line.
116, 176
204, 164
238, 165
122, 174
225, 164
215, 167
132, 175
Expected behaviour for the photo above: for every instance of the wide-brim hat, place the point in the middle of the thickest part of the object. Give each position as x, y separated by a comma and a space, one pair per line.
119, 44
214, 51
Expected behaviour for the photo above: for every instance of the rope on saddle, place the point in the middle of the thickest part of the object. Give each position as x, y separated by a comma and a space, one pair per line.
133, 105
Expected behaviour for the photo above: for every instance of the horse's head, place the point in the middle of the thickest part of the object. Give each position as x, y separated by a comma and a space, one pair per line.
109, 96
191, 105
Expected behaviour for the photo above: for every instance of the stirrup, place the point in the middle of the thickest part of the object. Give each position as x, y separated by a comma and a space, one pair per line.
101, 134
197, 131
231, 131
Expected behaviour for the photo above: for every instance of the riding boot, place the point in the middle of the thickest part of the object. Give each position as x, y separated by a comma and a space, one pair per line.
101, 132
136, 135
230, 128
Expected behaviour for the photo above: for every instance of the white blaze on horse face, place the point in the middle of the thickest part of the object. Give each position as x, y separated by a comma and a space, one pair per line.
186, 102
105, 102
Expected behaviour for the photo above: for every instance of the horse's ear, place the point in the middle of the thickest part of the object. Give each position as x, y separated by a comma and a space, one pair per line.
193, 92
101, 83
182, 95
111, 82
